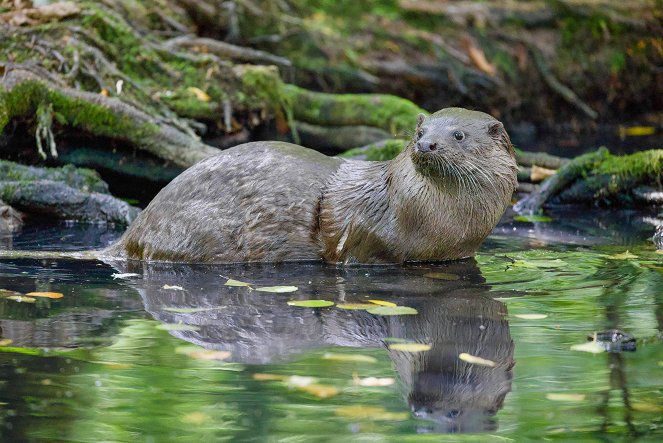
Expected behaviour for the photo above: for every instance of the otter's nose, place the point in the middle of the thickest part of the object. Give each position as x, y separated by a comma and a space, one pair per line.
426, 147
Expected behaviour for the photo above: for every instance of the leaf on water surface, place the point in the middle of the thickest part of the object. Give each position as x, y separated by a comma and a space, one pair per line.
410, 347
565, 397
355, 306
383, 303
277, 289
196, 418
392, 310
372, 381
442, 276
187, 310
173, 287
22, 299
8, 293
532, 218
231, 282
125, 275
623, 256
45, 294
370, 413
531, 316
358, 358
6, 342
320, 391
590, 346
177, 327
473, 359
269, 377
311, 303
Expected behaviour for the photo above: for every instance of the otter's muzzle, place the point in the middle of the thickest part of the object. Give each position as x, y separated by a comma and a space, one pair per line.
426, 147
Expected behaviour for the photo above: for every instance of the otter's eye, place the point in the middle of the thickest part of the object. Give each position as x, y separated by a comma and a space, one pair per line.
459, 135
420, 133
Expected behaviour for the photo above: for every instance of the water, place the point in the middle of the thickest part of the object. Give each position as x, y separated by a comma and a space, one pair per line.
136, 359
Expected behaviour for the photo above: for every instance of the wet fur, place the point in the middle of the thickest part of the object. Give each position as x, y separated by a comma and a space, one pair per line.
273, 201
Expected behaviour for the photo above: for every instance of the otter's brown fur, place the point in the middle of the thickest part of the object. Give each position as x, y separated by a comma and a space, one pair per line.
273, 201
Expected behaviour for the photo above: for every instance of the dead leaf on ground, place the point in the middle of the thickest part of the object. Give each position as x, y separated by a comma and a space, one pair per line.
473, 359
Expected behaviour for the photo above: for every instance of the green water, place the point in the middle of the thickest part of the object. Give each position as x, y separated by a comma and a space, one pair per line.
125, 359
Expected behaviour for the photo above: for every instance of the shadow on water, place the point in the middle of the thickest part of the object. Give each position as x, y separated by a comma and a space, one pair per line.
455, 316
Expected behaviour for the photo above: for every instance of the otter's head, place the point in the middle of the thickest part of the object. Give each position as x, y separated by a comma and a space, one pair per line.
463, 144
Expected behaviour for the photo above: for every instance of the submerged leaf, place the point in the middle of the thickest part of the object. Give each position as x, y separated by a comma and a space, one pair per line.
410, 347
531, 316
45, 294
277, 289
355, 306
358, 358
392, 310
383, 303
565, 397
476, 360
232, 282
533, 218
311, 303
442, 276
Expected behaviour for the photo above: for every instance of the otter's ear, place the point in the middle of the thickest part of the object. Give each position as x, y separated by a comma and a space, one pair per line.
495, 129
420, 119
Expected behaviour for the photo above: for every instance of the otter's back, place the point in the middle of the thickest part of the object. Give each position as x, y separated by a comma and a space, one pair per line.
253, 202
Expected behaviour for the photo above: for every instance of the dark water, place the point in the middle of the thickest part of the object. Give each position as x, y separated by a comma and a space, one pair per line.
171, 354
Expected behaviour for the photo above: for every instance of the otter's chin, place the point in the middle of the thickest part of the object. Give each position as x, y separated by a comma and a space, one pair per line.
431, 164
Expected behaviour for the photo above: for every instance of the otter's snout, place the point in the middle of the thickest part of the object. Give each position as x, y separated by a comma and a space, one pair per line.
426, 146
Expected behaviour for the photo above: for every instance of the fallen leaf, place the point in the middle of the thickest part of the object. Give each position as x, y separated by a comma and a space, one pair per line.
320, 391
636, 131
104, 92
357, 358
382, 303
199, 93
173, 287
6, 342
125, 275
442, 276
311, 303
531, 316
532, 218
478, 57
22, 299
539, 174
277, 289
565, 397
177, 327
269, 377
45, 294
590, 346
196, 418
623, 256
410, 347
7, 293
373, 381
231, 282
395, 310
355, 306
476, 360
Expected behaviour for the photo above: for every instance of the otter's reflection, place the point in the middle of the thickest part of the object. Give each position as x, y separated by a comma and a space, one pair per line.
455, 316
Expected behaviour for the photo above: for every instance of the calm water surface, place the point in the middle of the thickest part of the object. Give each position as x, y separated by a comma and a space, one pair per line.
171, 354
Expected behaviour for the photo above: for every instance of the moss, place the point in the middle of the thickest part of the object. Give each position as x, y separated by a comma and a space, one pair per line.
641, 166
376, 152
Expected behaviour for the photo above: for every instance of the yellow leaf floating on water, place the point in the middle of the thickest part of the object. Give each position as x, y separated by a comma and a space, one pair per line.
410, 347
232, 282
311, 303
318, 390
355, 306
199, 93
442, 276
277, 289
392, 310
531, 316
590, 346
45, 294
373, 381
565, 397
196, 418
473, 359
636, 131
383, 303
623, 256
358, 358
370, 413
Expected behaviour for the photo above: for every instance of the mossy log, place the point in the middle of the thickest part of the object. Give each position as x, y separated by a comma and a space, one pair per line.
599, 179
65, 193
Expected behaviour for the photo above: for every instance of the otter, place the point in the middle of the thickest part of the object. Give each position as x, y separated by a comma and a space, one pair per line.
274, 201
